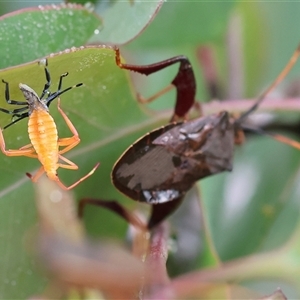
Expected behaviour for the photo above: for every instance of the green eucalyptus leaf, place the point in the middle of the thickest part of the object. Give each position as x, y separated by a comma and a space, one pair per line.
181, 22
31, 33
124, 20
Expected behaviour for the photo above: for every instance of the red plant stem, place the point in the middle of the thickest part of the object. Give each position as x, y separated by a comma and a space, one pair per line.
276, 265
271, 105
157, 258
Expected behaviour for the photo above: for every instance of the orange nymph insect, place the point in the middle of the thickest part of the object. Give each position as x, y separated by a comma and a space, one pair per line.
42, 131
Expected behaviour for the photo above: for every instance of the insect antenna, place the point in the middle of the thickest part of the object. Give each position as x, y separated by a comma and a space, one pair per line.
278, 137
278, 80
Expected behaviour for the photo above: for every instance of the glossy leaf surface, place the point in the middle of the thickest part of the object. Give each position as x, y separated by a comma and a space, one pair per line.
35, 32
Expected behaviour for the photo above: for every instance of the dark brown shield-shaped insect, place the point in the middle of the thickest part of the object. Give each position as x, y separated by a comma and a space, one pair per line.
163, 165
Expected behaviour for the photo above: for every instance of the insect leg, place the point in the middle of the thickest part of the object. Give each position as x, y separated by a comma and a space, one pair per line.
277, 80
33, 154
60, 80
37, 175
112, 206
59, 92
161, 211
67, 120
278, 137
184, 80
26, 146
70, 165
15, 112
68, 142
17, 152
48, 81
21, 116
7, 96
143, 100
73, 166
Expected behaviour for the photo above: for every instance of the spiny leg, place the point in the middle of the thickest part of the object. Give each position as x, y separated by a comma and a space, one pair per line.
184, 80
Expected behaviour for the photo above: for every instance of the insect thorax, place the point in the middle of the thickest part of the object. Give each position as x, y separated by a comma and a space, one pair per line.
33, 100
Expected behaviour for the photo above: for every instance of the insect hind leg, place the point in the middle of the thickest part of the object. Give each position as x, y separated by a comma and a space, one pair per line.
113, 206
69, 164
37, 175
72, 166
69, 143
184, 81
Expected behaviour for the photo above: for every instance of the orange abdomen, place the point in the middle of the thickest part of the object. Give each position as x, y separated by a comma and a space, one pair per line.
43, 136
